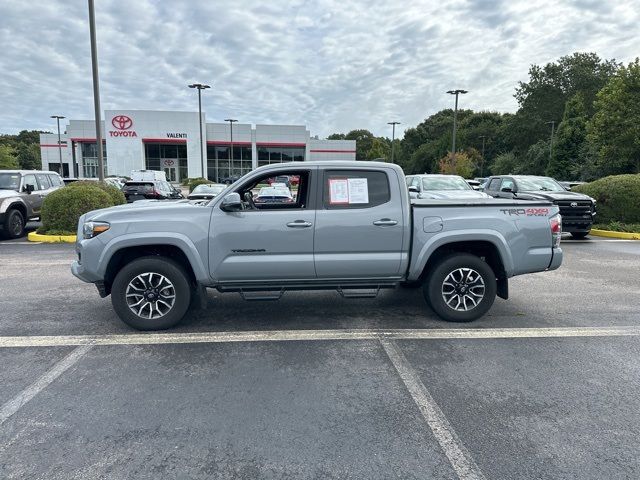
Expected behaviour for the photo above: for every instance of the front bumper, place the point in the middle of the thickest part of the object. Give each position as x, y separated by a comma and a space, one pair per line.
78, 270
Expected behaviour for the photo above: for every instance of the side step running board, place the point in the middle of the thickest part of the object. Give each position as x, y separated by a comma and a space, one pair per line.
261, 294
359, 292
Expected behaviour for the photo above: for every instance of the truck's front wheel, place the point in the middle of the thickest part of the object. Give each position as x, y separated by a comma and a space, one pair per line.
151, 293
461, 288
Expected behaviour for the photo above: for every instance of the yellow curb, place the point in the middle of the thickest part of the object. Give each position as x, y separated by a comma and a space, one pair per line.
611, 234
36, 237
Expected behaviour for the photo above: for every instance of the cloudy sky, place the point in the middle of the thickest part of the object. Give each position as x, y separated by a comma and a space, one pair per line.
332, 65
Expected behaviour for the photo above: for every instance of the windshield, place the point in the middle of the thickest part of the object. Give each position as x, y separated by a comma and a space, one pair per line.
9, 181
445, 183
539, 184
212, 189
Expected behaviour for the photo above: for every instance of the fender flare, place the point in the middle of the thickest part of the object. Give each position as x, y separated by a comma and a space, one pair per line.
159, 238
439, 240
10, 202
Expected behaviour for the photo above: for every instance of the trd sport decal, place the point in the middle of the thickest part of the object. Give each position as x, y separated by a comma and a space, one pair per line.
529, 212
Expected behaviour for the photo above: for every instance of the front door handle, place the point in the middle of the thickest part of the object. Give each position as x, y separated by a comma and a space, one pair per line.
299, 224
385, 222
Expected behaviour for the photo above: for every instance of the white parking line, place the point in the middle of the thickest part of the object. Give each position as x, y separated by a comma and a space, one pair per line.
13, 405
314, 335
458, 456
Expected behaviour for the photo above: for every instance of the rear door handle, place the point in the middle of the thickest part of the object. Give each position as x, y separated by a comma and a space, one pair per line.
299, 224
385, 222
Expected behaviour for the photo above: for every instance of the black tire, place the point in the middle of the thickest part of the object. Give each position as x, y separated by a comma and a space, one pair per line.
450, 265
579, 235
166, 267
14, 224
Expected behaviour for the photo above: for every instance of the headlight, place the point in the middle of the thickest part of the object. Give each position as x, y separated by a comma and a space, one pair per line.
91, 229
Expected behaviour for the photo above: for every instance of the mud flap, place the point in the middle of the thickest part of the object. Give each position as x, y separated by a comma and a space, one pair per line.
502, 288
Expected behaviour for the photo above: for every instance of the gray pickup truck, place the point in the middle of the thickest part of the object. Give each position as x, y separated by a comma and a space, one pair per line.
347, 226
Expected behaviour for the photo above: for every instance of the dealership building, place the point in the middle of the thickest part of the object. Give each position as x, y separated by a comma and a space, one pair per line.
170, 142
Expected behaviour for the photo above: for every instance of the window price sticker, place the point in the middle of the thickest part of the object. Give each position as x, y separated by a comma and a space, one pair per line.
343, 191
358, 190
338, 191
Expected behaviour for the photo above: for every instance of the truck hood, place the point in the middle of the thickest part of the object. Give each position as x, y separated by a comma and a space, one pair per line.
141, 207
444, 194
552, 196
8, 193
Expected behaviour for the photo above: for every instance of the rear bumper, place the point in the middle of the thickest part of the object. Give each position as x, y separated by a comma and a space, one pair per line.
556, 259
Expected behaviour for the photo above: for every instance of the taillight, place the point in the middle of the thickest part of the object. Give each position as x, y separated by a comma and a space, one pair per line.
555, 223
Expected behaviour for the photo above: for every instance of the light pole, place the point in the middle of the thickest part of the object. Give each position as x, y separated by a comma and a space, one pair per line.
96, 89
482, 163
231, 122
58, 117
553, 124
455, 118
393, 138
200, 87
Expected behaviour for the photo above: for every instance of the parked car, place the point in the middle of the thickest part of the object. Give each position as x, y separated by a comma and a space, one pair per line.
70, 180
351, 228
206, 191
280, 179
274, 195
474, 184
150, 190
441, 186
578, 210
21, 195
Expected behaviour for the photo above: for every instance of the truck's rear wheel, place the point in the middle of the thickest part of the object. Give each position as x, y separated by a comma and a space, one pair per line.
461, 288
151, 293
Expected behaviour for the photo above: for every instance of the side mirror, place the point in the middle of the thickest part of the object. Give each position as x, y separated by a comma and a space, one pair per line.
413, 189
29, 188
231, 202
506, 190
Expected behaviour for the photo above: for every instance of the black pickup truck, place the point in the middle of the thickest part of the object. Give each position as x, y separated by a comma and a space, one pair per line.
577, 210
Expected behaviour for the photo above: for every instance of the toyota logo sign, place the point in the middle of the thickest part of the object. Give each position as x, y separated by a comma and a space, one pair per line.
121, 122
574, 204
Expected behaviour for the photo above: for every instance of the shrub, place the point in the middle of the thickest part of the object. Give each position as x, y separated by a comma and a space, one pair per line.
62, 208
618, 198
116, 195
194, 182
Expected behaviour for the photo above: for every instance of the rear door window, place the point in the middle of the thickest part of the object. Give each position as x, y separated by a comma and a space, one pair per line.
55, 180
43, 181
355, 189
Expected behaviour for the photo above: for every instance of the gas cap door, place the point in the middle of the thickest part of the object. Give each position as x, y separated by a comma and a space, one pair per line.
432, 224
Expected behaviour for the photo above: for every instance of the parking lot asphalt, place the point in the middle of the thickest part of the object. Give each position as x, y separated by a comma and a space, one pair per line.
316, 386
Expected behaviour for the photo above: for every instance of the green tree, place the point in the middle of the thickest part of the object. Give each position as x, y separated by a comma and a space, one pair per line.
614, 130
569, 143
364, 142
542, 99
380, 148
29, 156
504, 164
535, 160
336, 136
462, 164
8, 160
